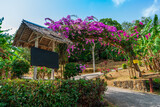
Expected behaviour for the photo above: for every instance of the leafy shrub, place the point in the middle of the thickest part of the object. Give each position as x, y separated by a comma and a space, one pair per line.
89, 92
42, 72
48, 73
20, 67
71, 70
156, 84
140, 63
51, 93
124, 66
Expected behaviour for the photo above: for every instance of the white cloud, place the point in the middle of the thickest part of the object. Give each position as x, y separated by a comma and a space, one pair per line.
153, 9
118, 2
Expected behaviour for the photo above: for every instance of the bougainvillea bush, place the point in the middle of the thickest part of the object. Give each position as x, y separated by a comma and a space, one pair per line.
73, 69
66, 93
88, 31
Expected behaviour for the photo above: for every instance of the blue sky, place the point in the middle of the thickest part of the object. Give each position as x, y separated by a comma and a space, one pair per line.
37, 10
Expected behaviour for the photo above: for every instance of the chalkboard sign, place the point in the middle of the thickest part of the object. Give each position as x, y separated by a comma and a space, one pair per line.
40, 57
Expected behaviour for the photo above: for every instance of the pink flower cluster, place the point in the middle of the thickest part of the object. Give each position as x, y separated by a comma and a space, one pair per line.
83, 67
70, 28
88, 31
104, 70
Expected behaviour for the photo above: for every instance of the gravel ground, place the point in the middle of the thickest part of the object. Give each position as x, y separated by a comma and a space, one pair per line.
128, 98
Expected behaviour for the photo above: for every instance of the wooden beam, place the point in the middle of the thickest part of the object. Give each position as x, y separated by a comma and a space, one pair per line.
31, 44
40, 39
35, 38
30, 35
50, 42
55, 39
36, 43
52, 73
35, 68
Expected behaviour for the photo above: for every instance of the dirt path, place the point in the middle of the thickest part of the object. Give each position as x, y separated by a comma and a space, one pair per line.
128, 98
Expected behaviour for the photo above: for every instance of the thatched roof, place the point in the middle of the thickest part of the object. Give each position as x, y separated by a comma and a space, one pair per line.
28, 32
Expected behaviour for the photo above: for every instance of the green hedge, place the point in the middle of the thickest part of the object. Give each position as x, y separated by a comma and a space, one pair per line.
50, 93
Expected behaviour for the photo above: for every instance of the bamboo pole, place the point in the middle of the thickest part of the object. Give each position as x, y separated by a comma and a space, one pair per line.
93, 55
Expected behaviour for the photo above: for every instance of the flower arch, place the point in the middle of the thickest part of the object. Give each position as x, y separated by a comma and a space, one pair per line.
90, 30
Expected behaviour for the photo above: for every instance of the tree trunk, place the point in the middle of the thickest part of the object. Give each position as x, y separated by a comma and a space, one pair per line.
61, 70
93, 55
153, 60
145, 62
136, 67
150, 67
158, 64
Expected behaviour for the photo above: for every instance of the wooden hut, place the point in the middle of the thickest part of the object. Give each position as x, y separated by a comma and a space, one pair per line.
29, 32
33, 35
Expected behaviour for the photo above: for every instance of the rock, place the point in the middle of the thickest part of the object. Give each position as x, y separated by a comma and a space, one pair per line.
139, 85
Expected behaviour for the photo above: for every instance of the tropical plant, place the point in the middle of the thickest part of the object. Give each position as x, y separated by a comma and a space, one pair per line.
148, 48
7, 52
124, 66
20, 67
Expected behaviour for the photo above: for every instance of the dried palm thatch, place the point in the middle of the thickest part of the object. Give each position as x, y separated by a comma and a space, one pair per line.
28, 32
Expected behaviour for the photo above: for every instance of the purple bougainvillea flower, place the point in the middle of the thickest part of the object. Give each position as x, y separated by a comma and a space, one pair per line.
47, 23
79, 29
137, 36
140, 23
149, 34
127, 36
135, 27
146, 37
87, 42
93, 41
124, 33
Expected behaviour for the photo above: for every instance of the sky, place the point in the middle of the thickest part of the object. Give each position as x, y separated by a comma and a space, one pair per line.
14, 11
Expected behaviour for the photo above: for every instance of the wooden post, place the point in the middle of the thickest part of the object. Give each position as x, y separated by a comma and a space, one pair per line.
151, 85
52, 73
35, 68
93, 47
